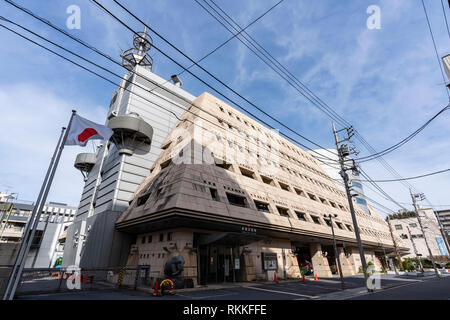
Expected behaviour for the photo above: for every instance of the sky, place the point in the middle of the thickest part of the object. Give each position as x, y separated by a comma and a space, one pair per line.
386, 82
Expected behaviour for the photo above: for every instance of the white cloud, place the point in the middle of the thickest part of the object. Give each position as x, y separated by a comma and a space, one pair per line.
32, 118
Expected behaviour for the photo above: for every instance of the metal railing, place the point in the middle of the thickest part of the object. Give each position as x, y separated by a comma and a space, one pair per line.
53, 280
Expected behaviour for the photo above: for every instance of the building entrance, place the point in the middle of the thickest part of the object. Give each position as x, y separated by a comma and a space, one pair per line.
219, 264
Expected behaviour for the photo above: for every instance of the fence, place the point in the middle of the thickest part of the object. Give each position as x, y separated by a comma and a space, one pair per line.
51, 280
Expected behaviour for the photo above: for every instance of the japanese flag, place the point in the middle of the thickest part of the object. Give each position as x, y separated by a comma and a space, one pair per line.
83, 130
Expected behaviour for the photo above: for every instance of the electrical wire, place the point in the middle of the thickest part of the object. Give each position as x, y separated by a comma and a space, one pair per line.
207, 72
104, 78
411, 178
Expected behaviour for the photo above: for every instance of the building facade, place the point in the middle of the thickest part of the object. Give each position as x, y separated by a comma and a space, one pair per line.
47, 246
444, 216
240, 202
409, 230
116, 174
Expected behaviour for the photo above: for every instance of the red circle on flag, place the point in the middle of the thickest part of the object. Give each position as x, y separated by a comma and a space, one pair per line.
86, 134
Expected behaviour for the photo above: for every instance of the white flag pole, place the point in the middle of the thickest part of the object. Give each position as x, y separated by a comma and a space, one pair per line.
32, 216
39, 210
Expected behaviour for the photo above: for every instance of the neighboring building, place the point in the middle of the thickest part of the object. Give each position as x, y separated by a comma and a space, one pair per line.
416, 238
46, 247
114, 173
444, 216
333, 170
237, 200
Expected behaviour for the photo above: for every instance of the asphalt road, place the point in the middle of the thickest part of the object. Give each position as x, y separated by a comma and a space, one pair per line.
432, 289
311, 290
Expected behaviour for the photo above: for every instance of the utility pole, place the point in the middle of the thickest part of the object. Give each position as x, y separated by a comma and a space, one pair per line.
415, 249
336, 252
395, 244
343, 152
422, 197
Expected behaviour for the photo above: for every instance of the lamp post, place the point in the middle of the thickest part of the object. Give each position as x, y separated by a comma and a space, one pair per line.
336, 253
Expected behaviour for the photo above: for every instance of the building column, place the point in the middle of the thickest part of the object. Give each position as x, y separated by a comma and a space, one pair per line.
320, 263
348, 269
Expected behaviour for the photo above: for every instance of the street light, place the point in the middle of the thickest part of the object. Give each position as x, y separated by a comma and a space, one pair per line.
336, 253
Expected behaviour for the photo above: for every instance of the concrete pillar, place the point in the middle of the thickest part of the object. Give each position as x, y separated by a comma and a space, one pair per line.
320, 263
348, 269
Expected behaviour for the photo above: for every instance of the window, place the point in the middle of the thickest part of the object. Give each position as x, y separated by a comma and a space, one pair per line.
316, 220
361, 202
398, 227
165, 164
224, 165
142, 200
236, 200
283, 212
143, 240
247, 173
300, 192
150, 239
340, 226
284, 186
214, 194
267, 180
413, 225
301, 216
312, 197
323, 201
404, 236
161, 237
169, 236
349, 227
328, 222
357, 185
262, 207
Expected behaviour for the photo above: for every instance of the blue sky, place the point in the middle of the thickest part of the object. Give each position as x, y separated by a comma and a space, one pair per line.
385, 82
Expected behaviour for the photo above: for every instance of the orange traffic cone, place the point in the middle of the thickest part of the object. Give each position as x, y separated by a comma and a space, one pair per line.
303, 278
315, 277
155, 293
275, 278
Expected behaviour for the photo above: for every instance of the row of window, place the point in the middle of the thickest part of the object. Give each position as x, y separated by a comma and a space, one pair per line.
241, 201
250, 174
288, 146
269, 148
413, 236
400, 227
149, 239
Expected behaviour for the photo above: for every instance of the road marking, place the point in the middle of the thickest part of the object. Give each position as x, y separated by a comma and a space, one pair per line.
205, 297
284, 292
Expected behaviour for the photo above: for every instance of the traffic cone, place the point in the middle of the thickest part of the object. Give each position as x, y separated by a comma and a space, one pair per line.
315, 277
275, 278
155, 293
303, 278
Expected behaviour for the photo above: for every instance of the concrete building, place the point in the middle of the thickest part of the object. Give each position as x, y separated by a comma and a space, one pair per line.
238, 202
444, 216
47, 245
114, 173
333, 170
415, 236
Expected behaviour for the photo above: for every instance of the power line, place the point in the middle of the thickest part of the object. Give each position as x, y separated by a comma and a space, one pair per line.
207, 72
411, 178
162, 87
435, 48
445, 18
317, 99
404, 141
231, 38
104, 78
